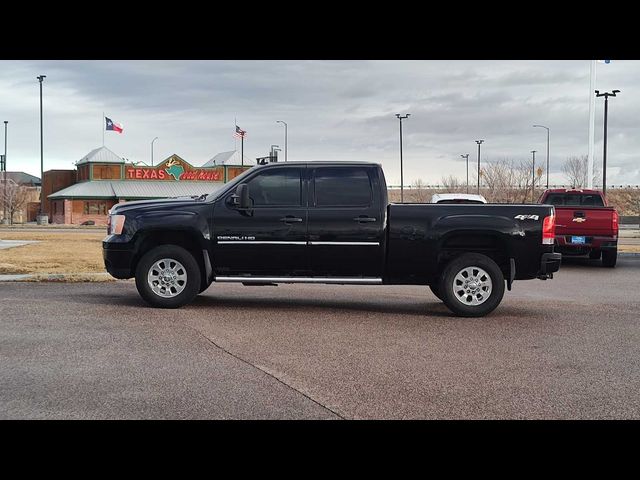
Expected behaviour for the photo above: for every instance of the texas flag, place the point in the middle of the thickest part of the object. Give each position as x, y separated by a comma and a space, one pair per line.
116, 127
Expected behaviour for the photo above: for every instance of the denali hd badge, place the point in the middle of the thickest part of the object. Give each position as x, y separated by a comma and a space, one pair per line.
527, 217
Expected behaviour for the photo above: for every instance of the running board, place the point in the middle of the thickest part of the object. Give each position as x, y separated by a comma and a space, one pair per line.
335, 280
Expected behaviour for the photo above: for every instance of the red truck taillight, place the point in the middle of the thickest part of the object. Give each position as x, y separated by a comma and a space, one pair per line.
614, 223
549, 230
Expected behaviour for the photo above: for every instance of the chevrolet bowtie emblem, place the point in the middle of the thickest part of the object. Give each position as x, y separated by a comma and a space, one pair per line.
579, 220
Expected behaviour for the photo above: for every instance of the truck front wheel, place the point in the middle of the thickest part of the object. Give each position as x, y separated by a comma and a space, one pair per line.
472, 285
168, 277
609, 258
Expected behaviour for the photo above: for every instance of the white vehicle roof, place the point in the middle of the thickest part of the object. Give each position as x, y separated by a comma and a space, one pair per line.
438, 197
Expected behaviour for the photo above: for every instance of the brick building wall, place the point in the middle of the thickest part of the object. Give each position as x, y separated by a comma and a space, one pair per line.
53, 181
77, 212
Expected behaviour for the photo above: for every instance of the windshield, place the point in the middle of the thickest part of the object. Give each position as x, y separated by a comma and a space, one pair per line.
231, 185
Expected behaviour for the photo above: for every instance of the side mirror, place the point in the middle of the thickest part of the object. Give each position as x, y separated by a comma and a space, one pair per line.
241, 198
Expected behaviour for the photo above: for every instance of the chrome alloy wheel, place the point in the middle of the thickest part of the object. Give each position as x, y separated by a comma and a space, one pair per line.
472, 286
167, 278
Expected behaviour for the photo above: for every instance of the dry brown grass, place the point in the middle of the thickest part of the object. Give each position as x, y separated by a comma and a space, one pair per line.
57, 252
73, 278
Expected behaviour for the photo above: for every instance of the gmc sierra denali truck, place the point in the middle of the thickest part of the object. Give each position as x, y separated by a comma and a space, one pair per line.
327, 222
585, 225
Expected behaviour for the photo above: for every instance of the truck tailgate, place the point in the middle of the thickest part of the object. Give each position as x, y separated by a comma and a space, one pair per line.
584, 221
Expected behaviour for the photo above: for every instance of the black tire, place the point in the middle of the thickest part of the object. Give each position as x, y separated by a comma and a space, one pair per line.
609, 258
595, 254
179, 254
457, 265
435, 289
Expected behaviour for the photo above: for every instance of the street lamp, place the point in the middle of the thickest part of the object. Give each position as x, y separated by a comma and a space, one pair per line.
152, 150
606, 96
467, 157
285, 138
479, 142
533, 176
41, 218
4, 163
400, 117
547, 128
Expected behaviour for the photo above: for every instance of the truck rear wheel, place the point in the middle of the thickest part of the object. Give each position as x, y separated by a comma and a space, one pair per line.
609, 258
168, 277
472, 285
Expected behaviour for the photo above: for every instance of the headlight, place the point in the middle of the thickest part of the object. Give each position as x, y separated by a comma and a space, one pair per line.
116, 224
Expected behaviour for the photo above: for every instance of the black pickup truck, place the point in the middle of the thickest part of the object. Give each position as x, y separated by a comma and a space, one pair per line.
327, 222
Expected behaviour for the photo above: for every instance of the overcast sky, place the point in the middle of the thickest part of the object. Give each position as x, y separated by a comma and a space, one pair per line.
335, 110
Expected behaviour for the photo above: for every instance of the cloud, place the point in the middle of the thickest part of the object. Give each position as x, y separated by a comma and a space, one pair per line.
339, 110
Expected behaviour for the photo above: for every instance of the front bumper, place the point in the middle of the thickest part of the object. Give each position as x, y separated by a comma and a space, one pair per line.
118, 258
549, 264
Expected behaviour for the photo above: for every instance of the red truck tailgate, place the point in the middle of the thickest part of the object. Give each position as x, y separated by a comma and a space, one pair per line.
584, 221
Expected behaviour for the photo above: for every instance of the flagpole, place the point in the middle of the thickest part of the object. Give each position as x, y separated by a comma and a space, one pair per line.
242, 150
103, 128
592, 115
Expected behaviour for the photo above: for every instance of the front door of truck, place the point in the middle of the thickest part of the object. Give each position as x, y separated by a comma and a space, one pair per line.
270, 238
345, 222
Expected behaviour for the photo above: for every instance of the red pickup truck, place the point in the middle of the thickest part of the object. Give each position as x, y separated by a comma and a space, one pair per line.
585, 225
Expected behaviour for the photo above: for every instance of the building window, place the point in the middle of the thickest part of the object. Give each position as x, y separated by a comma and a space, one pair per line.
95, 208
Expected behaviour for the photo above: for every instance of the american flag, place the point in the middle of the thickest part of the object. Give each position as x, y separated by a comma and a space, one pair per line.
239, 132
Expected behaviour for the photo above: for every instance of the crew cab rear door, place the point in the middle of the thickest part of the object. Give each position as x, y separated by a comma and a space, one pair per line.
346, 221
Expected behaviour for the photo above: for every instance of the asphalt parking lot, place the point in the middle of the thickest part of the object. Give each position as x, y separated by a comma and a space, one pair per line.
567, 348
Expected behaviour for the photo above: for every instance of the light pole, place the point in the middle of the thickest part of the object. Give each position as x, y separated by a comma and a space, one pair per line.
400, 117
152, 150
547, 128
285, 138
606, 96
533, 176
41, 218
479, 142
4, 163
467, 157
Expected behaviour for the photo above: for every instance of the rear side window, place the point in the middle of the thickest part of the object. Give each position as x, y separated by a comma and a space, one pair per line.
342, 187
574, 200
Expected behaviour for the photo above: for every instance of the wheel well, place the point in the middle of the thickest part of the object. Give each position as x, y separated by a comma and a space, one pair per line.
490, 245
185, 239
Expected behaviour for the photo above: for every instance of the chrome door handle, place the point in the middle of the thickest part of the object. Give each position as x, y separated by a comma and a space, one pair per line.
290, 219
364, 219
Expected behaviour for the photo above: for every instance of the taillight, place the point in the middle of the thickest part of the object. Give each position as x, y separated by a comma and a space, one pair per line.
614, 222
549, 230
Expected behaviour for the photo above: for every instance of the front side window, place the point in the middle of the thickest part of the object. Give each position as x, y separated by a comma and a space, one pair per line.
278, 187
342, 187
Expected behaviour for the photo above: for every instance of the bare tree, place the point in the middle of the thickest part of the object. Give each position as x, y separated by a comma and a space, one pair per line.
453, 184
507, 180
13, 198
419, 192
575, 170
